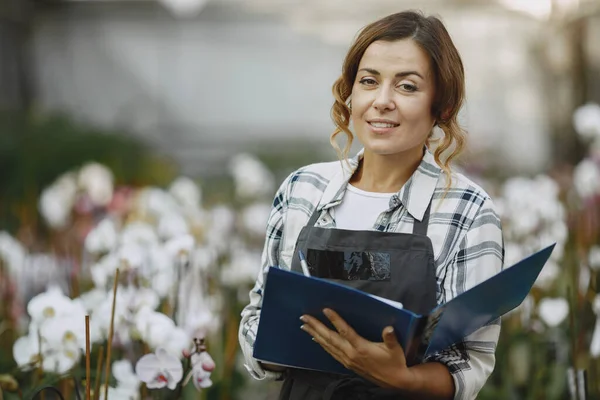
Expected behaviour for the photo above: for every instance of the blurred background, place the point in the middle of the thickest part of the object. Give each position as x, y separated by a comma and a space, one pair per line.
148, 137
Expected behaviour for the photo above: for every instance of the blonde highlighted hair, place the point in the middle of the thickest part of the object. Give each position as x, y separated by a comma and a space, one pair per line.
431, 35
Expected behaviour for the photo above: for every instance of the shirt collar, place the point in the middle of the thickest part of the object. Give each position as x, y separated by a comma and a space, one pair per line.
416, 193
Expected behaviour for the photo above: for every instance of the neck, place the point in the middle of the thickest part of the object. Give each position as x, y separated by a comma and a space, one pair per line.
386, 173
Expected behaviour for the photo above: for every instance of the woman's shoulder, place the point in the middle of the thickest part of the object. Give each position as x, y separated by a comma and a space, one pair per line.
326, 169
463, 189
314, 176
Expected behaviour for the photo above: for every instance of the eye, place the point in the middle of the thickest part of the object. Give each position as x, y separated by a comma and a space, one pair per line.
408, 87
368, 81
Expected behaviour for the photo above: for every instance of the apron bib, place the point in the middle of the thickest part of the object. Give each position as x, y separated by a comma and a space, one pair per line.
396, 266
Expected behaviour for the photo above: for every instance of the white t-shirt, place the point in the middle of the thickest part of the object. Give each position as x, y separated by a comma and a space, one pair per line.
359, 209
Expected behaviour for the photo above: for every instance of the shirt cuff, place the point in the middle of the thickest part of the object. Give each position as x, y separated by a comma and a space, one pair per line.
254, 368
457, 360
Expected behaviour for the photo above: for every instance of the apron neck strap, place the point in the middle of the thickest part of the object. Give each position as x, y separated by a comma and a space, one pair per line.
313, 218
420, 227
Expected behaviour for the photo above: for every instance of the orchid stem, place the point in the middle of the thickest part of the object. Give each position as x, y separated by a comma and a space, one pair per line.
178, 274
88, 375
98, 373
110, 334
188, 367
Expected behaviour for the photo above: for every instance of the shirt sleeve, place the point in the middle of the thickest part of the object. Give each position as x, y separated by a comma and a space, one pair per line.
270, 257
479, 257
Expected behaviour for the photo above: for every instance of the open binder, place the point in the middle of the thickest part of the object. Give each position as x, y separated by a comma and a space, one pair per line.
288, 295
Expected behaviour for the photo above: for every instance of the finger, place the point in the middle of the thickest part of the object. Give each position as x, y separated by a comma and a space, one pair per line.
326, 344
322, 330
322, 334
342, 327
314, 333
389, 338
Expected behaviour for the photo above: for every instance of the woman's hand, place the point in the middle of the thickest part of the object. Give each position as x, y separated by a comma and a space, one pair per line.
382, 363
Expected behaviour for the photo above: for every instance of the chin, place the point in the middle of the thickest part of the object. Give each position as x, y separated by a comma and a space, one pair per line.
382, 147
385, 149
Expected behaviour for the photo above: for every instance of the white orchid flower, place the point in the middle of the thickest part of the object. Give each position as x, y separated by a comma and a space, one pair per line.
176, 341
118, 393
123, 320
222, 220
154, 327
595, 345
594, 257
159, 260
93, 298
586, 120
97, 181
139, 233
56, 202
132, 255
12, 254
586, 178
553, 311
252, 178
64, 341
131, 304
160, 271
199, 322
143, 298
51, 304
160, 331
242, 268
254, 218
198, 220
128, 383
222, 225
186, 192
202, 367
181, 245
162, 283
104, 269
204, 257
60, 348
26, 349
159, 369
103, 238
67, 330
157, 202
172, 226
61, 359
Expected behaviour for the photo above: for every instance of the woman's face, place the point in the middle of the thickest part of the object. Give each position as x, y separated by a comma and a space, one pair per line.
392, 97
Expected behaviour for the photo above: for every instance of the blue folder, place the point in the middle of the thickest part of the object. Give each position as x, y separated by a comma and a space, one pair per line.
289, 295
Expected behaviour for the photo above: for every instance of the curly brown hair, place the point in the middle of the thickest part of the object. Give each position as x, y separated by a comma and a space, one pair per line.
431, 35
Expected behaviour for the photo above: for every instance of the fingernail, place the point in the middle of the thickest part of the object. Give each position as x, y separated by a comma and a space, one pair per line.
303, 327
389, 330
303, 318
327, 312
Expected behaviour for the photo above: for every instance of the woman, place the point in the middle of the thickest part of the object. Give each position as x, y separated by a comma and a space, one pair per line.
401, 78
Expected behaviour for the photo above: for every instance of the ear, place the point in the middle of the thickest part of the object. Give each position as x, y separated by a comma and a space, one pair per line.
445, 115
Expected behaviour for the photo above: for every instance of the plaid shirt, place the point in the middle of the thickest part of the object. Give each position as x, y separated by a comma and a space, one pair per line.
463, 227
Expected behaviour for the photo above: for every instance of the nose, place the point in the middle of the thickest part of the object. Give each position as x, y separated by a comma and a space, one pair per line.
384, 100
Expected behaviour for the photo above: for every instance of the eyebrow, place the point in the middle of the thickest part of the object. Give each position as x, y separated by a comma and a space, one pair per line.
398, 75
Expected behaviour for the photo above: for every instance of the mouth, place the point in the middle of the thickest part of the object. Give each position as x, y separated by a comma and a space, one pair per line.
377, 124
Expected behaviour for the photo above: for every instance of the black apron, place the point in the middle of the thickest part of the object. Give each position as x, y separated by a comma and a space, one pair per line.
401, 268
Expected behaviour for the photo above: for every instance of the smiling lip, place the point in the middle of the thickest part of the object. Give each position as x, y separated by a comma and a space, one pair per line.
382, 126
